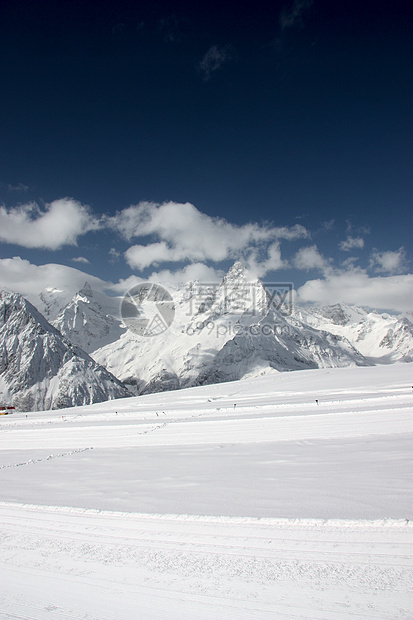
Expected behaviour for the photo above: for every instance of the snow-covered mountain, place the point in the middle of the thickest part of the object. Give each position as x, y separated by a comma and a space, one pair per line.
221, 333
89, 320
50, 301
231, 331
381, 338
40, 369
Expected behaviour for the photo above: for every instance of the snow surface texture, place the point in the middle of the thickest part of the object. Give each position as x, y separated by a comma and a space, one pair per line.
287, 496
39, 369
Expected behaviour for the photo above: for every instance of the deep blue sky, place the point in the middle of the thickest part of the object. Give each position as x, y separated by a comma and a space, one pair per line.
286, 112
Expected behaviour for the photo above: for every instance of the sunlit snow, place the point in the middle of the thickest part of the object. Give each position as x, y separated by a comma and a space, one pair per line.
283, 496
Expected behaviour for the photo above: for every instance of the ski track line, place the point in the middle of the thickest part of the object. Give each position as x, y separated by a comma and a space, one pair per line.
244, 405
173, 603
150, 429
384, 553
249, 563
234, 430
50, 457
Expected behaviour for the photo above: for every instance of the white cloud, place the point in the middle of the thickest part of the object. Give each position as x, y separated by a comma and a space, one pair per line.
258, 268
358, 288
141, 256
125, 284
61, 223
214, 58
114, 256
290, 233
349, 263
186, 234
351, 243
388, 262
81, 259
190, 273
21, 276
310, 258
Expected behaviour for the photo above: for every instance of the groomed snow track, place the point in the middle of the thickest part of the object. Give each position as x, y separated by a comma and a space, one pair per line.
113, 512
102, 565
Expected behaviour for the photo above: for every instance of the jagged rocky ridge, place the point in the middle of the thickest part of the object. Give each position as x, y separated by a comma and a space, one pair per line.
88, 321
40, 369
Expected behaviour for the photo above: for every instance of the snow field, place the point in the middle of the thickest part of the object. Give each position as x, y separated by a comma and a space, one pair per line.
180, 505
170, 566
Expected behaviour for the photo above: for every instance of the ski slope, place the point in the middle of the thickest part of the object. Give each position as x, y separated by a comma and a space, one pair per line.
287, 496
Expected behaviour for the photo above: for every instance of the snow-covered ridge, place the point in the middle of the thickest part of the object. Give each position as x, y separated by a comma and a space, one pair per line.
40, 369
233, 331
88, 320
225, 332
380, 338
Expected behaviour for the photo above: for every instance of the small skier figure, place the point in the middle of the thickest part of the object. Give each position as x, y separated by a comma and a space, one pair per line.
316, 401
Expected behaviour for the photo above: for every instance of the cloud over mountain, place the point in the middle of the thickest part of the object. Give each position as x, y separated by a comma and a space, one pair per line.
356, 287
180, 232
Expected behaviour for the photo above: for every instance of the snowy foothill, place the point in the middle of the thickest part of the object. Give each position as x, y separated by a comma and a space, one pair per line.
283, 496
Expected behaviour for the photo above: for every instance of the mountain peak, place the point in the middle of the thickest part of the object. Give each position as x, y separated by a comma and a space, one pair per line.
86, 290
236, 273
40, 369
14, 303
